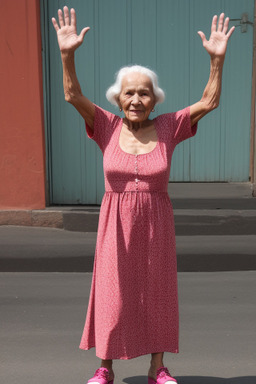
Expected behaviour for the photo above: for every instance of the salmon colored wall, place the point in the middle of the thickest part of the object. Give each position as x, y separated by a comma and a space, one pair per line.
22, 150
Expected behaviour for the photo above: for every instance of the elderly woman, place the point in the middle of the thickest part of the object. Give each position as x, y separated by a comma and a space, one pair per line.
133, 306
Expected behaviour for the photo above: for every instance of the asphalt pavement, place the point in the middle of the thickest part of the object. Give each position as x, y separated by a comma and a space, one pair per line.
45, 277
36, 249
42, 317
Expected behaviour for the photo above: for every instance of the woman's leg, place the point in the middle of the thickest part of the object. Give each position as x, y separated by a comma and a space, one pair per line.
156, 362
108, 364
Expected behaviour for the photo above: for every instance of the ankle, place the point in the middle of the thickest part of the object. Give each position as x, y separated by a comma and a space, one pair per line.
155, 365
107, 364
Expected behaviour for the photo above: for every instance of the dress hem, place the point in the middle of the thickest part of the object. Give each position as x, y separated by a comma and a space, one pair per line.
176, 351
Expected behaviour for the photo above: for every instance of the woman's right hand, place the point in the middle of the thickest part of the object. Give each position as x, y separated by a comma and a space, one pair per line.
67, 36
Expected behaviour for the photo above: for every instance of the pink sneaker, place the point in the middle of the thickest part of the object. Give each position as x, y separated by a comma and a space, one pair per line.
162, 377
101, 376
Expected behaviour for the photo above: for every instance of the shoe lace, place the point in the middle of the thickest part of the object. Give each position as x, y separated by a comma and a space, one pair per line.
162, 372
102, 373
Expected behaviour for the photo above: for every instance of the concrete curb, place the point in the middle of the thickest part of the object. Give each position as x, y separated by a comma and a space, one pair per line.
204, 199
192, 221
32, 218
62, 219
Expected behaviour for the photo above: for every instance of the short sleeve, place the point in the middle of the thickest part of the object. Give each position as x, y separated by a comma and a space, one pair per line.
104, 125
181, 126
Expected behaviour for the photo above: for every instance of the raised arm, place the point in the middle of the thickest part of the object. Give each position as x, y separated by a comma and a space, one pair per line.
69, 41
216, 46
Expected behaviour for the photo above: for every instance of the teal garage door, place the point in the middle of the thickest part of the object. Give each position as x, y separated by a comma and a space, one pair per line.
161, 34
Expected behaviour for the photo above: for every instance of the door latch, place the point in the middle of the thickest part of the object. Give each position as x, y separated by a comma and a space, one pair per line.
244, 22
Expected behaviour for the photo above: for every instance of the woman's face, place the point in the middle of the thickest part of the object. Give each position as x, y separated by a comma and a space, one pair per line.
136, 98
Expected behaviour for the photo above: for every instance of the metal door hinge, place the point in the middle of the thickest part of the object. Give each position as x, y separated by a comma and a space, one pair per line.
244, 22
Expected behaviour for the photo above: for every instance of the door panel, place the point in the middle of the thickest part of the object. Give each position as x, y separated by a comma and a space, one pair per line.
161, 35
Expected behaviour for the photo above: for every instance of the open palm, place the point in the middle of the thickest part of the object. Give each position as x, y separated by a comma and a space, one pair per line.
216, 46
68, 38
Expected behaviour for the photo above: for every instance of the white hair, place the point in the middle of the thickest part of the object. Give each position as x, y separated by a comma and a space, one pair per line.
114, 91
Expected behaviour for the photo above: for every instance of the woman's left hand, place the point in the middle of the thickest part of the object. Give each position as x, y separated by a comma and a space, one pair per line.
216, 46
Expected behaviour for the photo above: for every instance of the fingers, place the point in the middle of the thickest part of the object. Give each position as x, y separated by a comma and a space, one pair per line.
222, 25
202, 35
83, 32
66, 20
61, 21
230, 32
73, 17
66, 15
225, 28
55, 24
214, 23
221, 20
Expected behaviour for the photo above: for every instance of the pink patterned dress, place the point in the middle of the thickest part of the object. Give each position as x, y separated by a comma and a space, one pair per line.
133, 305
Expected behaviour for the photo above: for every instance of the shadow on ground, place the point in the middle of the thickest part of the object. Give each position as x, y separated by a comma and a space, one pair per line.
197, 380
